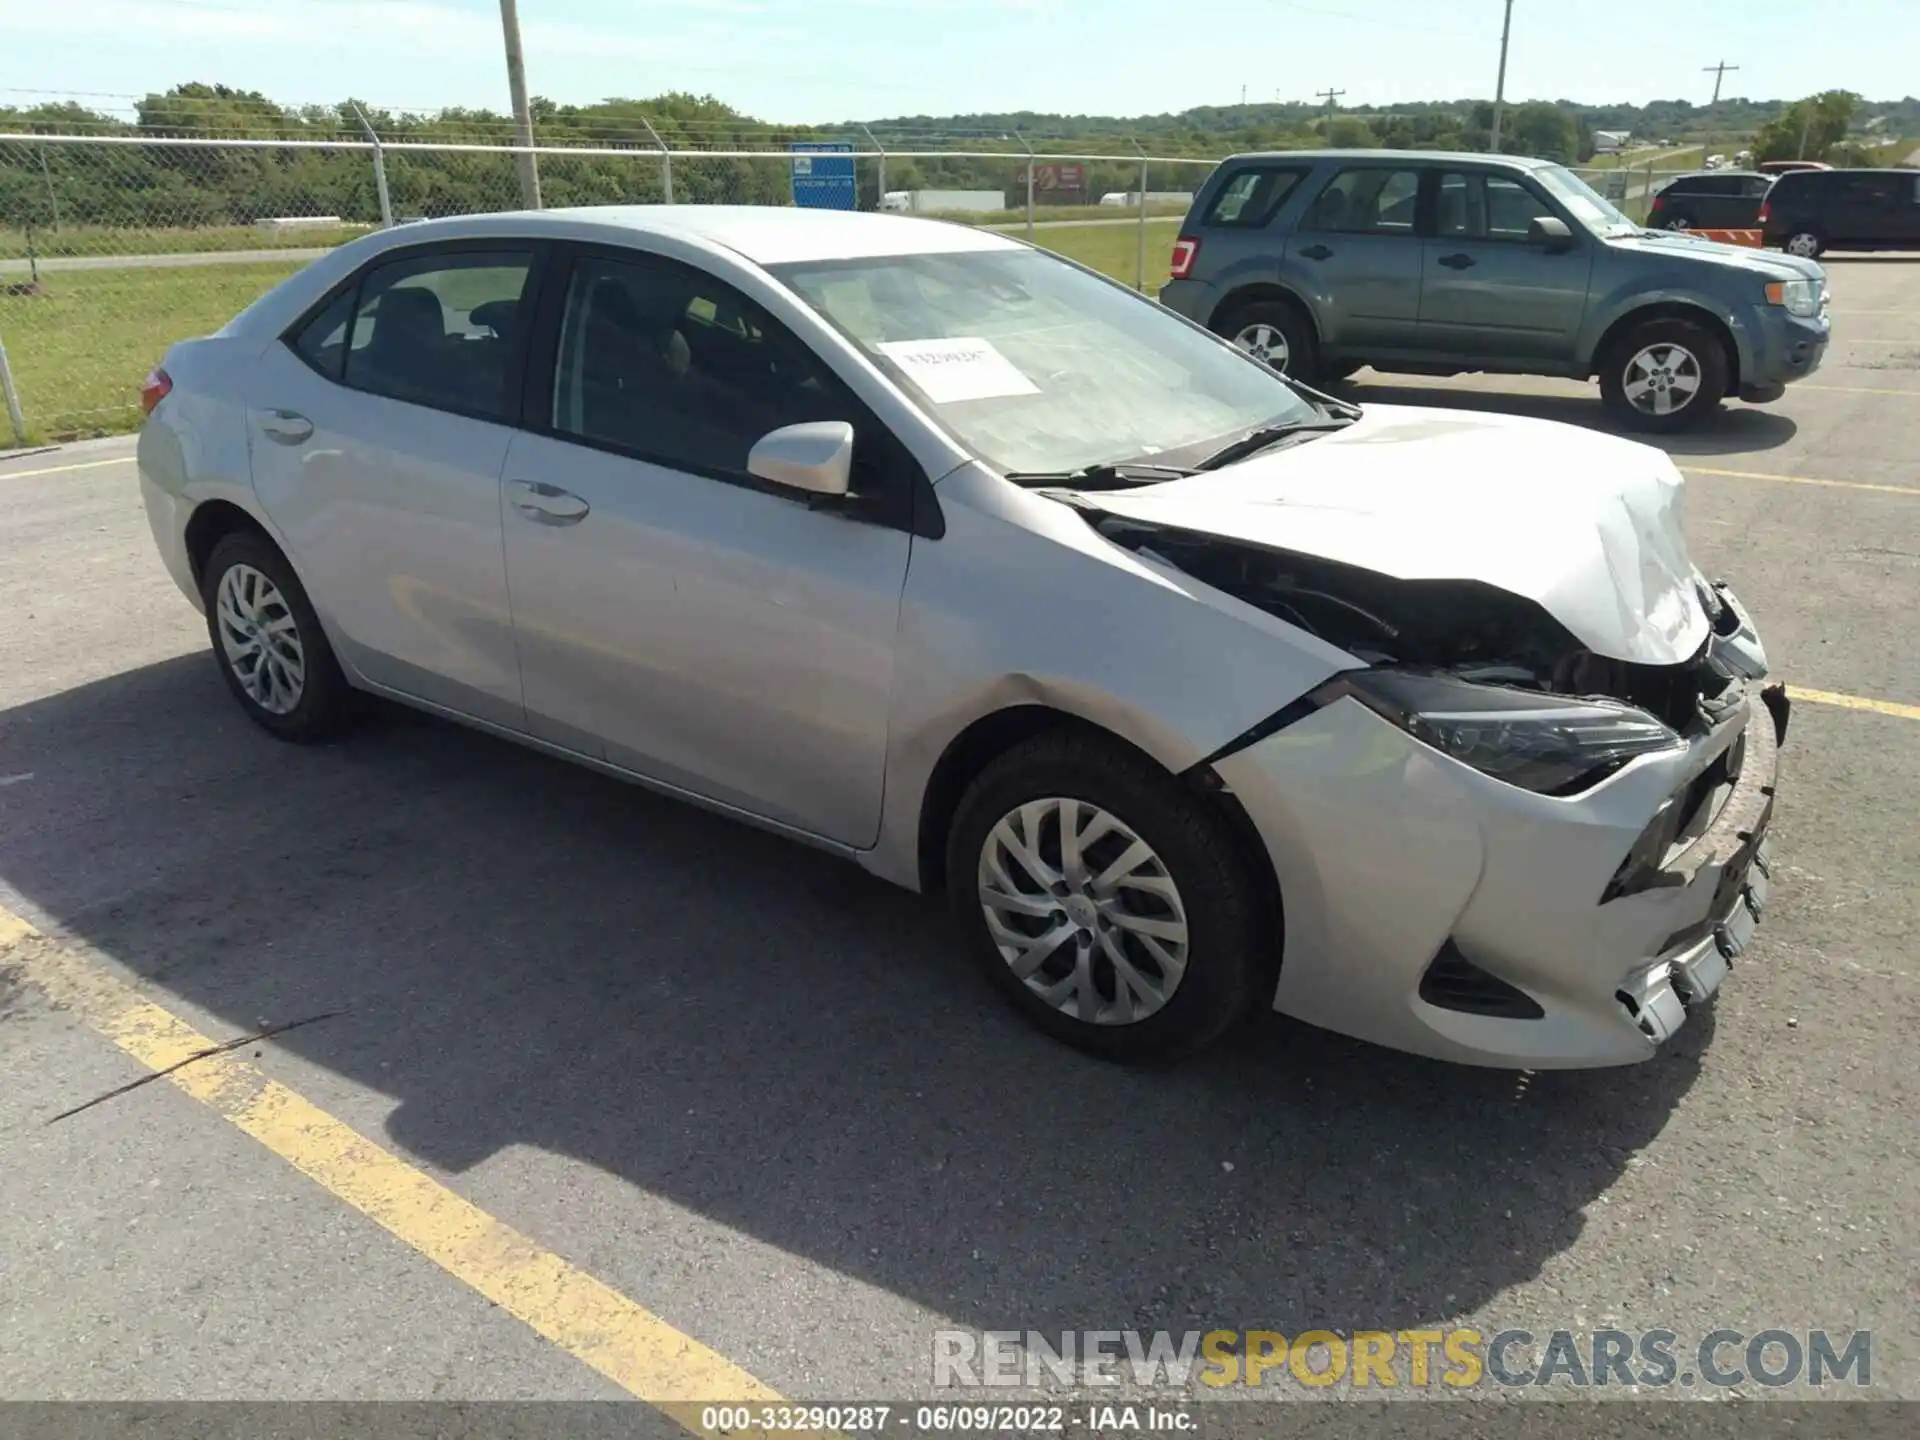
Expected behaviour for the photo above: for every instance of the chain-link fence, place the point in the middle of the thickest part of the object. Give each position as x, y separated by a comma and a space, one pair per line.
111, 248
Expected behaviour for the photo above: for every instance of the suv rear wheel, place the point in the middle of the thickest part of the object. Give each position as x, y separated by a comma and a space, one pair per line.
1806, 243
1664, 375
1276, 334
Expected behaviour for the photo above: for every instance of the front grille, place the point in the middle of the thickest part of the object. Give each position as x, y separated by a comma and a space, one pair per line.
1453, 982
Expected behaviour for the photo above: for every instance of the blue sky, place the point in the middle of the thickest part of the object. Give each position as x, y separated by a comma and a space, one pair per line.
843, 59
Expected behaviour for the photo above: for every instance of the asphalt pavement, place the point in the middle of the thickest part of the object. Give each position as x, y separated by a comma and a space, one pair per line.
757, 1097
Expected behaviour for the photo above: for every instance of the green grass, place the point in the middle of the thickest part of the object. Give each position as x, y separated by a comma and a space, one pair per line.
80, 347
1115, 249
123, 240
1018, 215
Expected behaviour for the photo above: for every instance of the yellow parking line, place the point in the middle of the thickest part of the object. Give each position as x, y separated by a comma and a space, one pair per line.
1913, 490
1855, 702
64, 469
621, 1339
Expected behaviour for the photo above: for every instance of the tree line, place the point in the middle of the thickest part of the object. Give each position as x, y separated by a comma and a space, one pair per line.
157, 186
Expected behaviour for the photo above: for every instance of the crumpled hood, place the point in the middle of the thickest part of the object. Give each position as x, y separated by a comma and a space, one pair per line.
1587, 525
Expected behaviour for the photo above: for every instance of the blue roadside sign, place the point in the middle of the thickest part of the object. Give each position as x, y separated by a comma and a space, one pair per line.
823, 175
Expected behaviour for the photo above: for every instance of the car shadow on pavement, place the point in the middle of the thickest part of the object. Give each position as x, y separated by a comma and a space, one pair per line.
533, 955
1736, 429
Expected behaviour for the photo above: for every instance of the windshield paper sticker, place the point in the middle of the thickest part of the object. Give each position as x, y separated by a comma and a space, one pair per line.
964, 367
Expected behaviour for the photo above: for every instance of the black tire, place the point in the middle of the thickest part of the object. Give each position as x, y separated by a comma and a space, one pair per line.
1706, 359
1302, 360
1233, 943
325, 702
1813, 243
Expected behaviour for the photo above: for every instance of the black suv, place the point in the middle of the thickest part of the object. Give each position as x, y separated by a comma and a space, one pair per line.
1809, 212
1710, 200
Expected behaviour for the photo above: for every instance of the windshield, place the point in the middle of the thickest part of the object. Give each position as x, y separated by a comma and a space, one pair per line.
1585, 203
1037, 366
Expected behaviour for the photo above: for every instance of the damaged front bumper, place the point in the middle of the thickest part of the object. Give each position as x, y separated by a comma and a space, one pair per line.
1433, 909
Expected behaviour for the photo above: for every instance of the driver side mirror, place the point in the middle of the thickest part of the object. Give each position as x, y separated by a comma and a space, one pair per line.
1549, 232
815, 458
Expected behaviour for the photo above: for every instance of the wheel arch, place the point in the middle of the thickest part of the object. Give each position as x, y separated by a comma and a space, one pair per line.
1687, 310
991, 735
213, 520
1261, 292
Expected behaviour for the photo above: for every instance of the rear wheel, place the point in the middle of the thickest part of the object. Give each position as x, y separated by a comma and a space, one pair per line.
1114, 908
1808, 244
268, 641
1278, 335
1664, 375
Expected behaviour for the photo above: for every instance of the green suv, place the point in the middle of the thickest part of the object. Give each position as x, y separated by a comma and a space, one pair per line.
1319, 262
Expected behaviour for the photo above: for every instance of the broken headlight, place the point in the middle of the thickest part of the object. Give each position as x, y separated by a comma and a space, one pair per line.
1550, 744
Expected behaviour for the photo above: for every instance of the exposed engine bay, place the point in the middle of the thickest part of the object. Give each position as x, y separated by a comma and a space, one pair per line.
1472, 630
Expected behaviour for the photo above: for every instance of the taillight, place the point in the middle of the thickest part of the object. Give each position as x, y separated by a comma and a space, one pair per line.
1184, 249
155, 388
1659, 203
1763, 217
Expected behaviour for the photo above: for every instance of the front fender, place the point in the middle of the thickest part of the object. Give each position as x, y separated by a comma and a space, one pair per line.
1023, 603
1627, 297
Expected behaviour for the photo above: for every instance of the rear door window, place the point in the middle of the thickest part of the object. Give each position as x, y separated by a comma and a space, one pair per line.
441, 329
1370, 200
1249, 199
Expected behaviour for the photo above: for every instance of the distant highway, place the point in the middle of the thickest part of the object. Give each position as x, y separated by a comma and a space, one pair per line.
161, 262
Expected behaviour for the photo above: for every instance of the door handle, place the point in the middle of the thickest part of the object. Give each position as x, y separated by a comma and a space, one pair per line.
1316, 252
1457, 262
546, 504
289, 427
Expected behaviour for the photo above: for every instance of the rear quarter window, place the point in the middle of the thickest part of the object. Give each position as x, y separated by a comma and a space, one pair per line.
1250, 197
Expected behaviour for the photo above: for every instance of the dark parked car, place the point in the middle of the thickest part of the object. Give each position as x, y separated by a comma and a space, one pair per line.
1710, 200
1434, 264
1810, 212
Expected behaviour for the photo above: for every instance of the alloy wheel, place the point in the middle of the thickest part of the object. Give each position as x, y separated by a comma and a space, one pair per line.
1661, 379
1266, 343
1804, 245
260, 639
1083, 911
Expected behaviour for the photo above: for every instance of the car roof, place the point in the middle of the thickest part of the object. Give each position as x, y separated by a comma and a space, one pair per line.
764, 234
1720, 174
1451, 157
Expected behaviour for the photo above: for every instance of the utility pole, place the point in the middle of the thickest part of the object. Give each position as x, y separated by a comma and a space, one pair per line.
1243, 95
1500, 80
1330, 96
524, 161
1719, 73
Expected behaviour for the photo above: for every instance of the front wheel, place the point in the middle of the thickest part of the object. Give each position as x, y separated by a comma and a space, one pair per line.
1113, 907
1664, 375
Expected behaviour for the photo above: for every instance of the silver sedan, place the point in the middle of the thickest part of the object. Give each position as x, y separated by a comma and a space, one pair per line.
1194, 692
